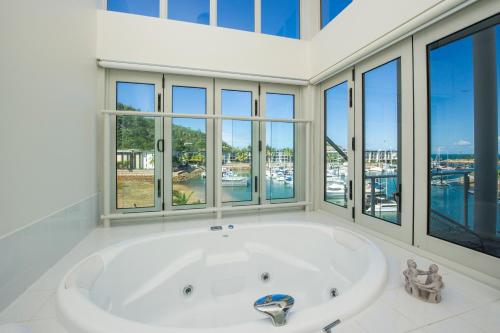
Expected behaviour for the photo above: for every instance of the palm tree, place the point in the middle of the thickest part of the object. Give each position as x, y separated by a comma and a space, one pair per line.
181, 198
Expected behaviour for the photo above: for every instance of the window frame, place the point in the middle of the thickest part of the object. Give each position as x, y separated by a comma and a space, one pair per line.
476, 260
213, 19
344, 212
113, 77
299, 139
403, 51
253, 87
172, 81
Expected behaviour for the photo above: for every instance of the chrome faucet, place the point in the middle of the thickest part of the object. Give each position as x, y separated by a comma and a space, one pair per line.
275, 306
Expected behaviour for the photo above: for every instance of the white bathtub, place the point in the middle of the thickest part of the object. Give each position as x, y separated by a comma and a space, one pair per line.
138, 286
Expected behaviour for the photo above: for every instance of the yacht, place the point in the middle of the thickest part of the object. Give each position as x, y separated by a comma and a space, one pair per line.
231, 179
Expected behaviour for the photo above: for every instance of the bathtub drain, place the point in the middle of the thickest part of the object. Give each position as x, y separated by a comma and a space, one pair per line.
188, 290
265, 277
334, 292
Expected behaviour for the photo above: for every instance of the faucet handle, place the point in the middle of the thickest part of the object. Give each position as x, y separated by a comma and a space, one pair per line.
276, 306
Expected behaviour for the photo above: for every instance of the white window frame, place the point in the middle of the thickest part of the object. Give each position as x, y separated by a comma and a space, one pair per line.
299, 138
344, 212
477, 260
133, 77
253, 88
194, 82
403, 51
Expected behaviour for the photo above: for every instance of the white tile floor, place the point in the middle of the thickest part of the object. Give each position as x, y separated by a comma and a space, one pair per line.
468, 306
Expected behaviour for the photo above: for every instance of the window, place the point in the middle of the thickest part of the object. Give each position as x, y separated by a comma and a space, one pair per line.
281, 18
195, 11
280, 147
139, 7
237, 148
135, 154
381, 141
189, 147
463, 178
331, 8
336, 144
236, 14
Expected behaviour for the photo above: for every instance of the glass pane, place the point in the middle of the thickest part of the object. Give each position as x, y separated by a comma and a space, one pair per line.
280, 148
336, 144
281, 18
464, 88
196, 11
331, 8
135, 146
236, 14
381, 119
139, 7
189, 147
236, 147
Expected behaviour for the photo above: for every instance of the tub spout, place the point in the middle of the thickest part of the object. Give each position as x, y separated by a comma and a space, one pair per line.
275, 306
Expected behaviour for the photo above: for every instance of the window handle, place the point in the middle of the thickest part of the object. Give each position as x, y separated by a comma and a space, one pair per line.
397, 196
160, 145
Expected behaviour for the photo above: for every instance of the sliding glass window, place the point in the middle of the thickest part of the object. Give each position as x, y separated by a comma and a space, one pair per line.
463, 179
135, 146
331, 8
236, 14
139, 7
281, 18
189, 147
195, 11
336, 144
237, 148
381, 141
280, 147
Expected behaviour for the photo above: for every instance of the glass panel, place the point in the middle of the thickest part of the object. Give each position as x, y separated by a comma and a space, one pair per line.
336, 144
236, 14
189, 147
464, 88
281, 18
139, 7
196, 11
331, 8
381, 128
135, 146
280, 147
236, 147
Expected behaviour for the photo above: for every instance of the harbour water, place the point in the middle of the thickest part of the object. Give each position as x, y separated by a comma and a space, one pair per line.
276, 190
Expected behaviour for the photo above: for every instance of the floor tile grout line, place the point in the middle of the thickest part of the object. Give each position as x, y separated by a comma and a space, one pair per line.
455, 316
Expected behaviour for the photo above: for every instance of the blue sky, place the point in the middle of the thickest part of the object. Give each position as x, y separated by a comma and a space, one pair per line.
196, 11
281, 18
337, 114
236, 14
140, 7
452, 96
138, 95
332, 8
381, 107
236, 103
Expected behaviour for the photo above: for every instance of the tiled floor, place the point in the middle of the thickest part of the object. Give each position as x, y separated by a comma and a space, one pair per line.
467, 307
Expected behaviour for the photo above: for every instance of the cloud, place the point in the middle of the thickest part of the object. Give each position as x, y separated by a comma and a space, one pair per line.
462, 143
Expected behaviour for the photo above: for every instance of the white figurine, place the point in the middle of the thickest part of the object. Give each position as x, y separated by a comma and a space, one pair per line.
430, 291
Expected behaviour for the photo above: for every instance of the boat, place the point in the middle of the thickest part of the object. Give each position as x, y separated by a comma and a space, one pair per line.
384, 206
289, 180
231, 179
336, 190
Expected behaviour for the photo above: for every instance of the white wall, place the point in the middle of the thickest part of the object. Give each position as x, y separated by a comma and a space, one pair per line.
48, 98
155, 41
363, 23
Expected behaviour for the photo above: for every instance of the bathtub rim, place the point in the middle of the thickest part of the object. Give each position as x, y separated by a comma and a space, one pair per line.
74, 307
